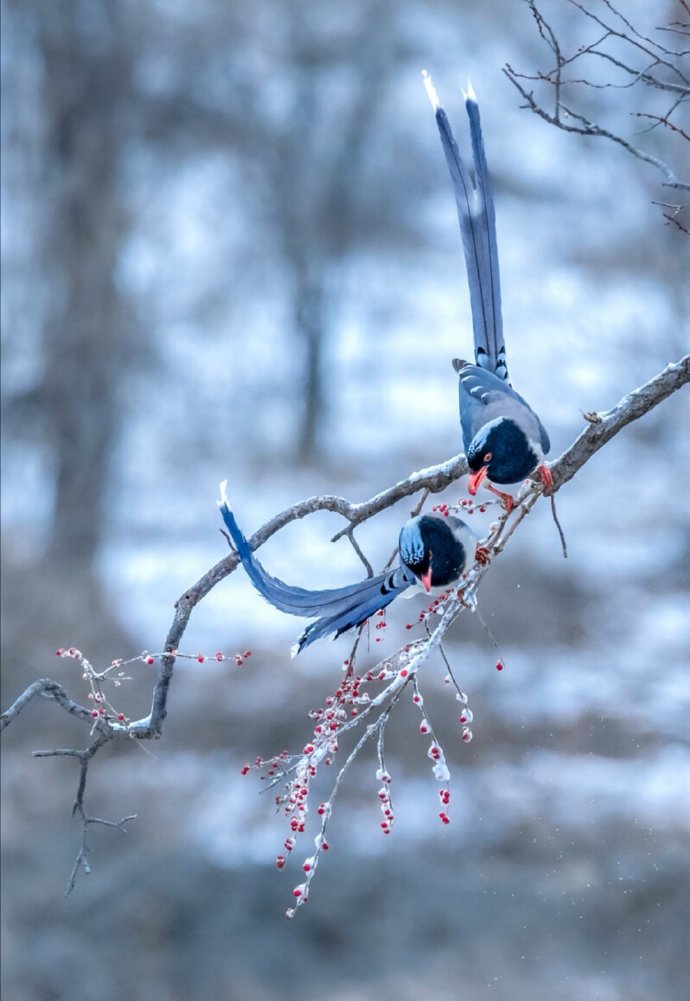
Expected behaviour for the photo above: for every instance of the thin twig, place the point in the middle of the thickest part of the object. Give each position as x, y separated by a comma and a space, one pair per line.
646, 62
557, 523
600, 428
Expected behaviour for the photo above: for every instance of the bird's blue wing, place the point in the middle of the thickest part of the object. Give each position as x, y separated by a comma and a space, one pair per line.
338, 609
484, 396
477, 217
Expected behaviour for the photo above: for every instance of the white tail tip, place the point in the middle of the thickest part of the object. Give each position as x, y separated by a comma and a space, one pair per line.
430, 90
470, 95
294, 650
223, 495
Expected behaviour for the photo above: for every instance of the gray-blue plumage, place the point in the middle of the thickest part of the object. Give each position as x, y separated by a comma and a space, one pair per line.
496, 421
435, 549
477, 218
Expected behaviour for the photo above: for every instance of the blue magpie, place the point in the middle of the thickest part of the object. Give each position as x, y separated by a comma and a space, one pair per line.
434, 553
504, 440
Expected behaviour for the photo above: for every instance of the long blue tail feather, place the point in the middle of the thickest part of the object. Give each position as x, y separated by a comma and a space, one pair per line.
356, 613
477, 218
338, 609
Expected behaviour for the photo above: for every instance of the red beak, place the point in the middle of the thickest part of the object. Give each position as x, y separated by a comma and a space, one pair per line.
426, 579
476, 480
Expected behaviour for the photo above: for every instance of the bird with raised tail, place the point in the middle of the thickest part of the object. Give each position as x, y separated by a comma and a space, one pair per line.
504, 440
434, 553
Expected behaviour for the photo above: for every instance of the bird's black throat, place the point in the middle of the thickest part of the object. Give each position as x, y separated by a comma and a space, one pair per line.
512, 457
442, 550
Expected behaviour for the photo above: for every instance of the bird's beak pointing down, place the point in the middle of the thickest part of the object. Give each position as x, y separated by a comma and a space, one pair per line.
426, 580
476, 479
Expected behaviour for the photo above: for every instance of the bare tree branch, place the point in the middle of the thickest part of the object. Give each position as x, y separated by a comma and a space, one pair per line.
600, 429
633, 406
50, 689
642, 61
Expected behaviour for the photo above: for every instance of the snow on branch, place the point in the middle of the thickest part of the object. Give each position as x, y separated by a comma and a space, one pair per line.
356, 703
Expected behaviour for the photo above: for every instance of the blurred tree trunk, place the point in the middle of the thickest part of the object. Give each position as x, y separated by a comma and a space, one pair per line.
86, 330
323, 209
311, 328
68, 333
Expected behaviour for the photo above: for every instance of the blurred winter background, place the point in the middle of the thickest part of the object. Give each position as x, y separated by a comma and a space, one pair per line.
230, 250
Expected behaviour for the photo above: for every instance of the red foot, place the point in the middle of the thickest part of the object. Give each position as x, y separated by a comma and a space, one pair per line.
481, 555
546, 478
506, 499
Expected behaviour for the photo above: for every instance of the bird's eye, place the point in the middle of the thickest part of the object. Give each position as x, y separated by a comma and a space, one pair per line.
488, 457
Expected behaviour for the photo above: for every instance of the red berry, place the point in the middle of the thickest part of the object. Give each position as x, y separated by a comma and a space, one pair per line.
499, 665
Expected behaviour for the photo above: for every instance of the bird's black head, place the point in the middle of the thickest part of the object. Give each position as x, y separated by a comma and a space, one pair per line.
431, 550
501, 451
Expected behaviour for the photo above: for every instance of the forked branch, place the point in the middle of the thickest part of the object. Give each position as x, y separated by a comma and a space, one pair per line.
650, 64
600, 429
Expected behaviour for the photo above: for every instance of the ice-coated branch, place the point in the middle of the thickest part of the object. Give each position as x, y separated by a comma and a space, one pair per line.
601, 427
605, 425
49, 689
